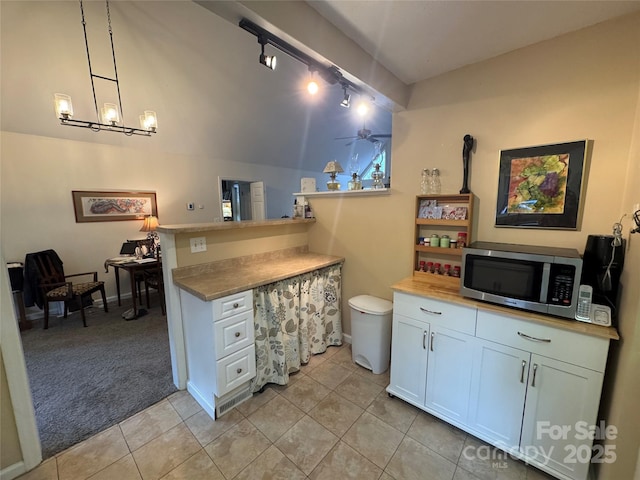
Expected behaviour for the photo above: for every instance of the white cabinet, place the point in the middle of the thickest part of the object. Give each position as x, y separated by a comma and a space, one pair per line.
431, 363
528, 388
449, 373
562, 399
409, 359
497, 393
220, 349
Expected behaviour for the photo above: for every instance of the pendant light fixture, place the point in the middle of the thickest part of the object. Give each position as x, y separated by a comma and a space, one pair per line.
110, 117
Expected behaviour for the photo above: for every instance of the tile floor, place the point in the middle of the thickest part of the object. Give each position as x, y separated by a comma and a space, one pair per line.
334, 420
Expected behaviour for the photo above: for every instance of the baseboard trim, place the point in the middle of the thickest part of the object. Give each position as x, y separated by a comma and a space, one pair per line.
13, 471
346, 337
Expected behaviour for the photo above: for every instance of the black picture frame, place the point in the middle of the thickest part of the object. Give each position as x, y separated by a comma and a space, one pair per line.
541, 186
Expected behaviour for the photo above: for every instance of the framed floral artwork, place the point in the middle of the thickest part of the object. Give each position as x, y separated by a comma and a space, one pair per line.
541, 186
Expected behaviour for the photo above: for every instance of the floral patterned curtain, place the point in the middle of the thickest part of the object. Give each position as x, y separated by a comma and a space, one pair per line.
294, 319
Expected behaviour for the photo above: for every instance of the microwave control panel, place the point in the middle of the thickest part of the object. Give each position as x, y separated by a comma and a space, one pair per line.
561, 284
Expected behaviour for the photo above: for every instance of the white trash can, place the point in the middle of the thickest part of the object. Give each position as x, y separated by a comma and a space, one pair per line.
371, 332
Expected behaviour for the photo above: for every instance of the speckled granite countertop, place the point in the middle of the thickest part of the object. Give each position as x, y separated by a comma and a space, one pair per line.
422, 287
222, 226
210, 281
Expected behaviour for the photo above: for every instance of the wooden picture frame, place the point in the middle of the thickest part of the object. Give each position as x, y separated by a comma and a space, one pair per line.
93, 206
541, 186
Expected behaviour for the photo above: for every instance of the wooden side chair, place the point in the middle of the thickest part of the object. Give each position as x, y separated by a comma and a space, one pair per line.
153, 278
55, 287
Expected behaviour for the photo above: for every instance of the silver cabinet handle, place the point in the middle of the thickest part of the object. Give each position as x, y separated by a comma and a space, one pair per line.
237, 334
524, 364
432, 335
430, 311
534, 339
424, 340
535, 369
236, 305
239, 371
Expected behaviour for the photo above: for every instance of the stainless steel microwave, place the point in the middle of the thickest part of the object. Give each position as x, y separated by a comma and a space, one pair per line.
539, 279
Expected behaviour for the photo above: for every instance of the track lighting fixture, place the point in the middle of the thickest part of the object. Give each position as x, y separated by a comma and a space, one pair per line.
346, 100
110, 116
363, 107
268, 61
330, 74
312, 85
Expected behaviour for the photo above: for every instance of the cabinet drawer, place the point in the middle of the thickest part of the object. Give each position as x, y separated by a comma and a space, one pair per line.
571, 347
436, 312
235, 369
232, 304
233, 333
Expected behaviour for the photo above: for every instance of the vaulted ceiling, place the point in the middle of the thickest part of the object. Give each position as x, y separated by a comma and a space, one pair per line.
419, 39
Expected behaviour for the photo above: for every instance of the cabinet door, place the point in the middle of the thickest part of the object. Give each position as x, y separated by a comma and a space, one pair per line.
449, 373
498, 388
409, 359
562, 400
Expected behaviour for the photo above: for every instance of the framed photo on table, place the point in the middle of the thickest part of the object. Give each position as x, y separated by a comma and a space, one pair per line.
92, 206
541, 187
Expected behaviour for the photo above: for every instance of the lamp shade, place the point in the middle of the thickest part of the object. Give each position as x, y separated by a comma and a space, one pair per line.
150, 224
333, 167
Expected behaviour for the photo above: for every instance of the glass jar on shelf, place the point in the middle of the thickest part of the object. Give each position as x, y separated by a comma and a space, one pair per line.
436, 186
425, 182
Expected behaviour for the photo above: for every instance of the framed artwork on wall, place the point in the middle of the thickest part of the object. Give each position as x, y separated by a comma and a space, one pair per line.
541, 186
91, 206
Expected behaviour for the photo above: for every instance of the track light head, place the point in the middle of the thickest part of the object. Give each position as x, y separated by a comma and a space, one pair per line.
268, 61
312, 84
346, 100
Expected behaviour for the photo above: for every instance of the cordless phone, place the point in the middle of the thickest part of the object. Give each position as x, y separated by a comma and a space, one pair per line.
585, 296
586, 311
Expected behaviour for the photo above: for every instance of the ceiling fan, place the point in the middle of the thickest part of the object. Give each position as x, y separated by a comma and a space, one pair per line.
365, 134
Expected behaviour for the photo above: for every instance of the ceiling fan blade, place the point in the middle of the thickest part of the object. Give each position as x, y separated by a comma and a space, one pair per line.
344, 138
381, 135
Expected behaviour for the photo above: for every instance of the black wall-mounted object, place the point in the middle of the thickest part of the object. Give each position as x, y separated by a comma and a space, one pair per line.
466, 152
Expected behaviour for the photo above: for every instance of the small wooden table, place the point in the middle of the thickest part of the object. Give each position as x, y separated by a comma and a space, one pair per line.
133, 267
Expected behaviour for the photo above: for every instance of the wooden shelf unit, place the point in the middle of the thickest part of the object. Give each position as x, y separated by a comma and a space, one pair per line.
425, 227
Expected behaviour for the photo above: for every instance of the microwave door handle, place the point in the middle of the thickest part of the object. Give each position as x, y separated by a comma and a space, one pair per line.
546, 275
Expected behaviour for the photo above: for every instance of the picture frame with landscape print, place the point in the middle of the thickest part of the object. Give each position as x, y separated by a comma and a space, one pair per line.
92, 206
541, 186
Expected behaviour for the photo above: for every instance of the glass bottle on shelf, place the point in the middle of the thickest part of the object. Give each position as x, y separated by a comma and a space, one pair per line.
354, 183
377, 177
436, 186
425, 183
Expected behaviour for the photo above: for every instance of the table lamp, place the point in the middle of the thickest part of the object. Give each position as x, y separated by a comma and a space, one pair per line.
149, 225
332, 168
